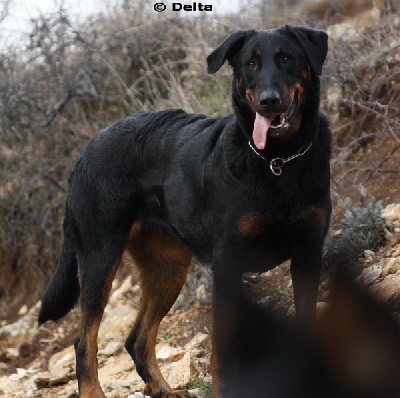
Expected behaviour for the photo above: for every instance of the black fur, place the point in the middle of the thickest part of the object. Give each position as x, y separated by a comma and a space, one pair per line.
197, 179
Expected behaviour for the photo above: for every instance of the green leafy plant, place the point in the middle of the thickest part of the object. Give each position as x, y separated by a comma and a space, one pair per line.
202, 384
362, 226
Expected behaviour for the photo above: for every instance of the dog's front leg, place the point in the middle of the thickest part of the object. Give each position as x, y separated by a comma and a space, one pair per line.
226, 318
309, 230
305, 269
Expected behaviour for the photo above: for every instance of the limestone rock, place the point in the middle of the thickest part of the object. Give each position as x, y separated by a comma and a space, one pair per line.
389, 290
391, 215
179, 374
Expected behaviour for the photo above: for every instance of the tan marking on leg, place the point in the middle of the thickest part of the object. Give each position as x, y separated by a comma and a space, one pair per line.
163, 264
89, 386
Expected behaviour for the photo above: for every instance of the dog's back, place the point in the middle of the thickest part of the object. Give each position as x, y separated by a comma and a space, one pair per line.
127, 167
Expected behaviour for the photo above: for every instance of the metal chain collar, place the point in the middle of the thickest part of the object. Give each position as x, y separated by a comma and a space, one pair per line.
276, 164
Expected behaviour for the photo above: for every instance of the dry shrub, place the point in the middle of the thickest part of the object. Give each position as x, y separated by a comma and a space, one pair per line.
363, 101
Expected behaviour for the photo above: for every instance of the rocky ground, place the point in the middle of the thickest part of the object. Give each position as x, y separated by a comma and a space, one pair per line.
40, 362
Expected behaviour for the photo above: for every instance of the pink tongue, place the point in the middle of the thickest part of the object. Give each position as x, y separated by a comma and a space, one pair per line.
260, 130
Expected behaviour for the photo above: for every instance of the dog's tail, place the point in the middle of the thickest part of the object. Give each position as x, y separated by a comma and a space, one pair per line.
63, 291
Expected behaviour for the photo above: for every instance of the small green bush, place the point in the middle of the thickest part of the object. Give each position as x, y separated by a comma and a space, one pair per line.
362, 227
204, 385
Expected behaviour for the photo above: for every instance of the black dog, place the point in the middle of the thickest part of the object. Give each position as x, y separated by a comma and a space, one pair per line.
245, 192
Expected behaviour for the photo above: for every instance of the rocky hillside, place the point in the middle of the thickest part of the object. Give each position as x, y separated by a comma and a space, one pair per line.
361, 94
40, 363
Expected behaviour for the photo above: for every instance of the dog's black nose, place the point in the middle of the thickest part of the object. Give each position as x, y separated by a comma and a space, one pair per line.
270, 99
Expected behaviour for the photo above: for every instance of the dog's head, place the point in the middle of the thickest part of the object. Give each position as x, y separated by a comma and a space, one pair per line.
272, 70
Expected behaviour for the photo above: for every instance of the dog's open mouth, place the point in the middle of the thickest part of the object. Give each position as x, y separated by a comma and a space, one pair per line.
279, 121
272, 124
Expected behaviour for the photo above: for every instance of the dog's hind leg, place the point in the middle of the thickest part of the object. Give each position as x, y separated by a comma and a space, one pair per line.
163, 265
96, 273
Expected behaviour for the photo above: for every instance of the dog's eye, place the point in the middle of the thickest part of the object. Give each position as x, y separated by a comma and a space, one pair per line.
251, 64
285, 59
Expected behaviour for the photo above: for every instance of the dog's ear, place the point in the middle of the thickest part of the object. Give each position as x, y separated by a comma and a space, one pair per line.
314, 43
227, 50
